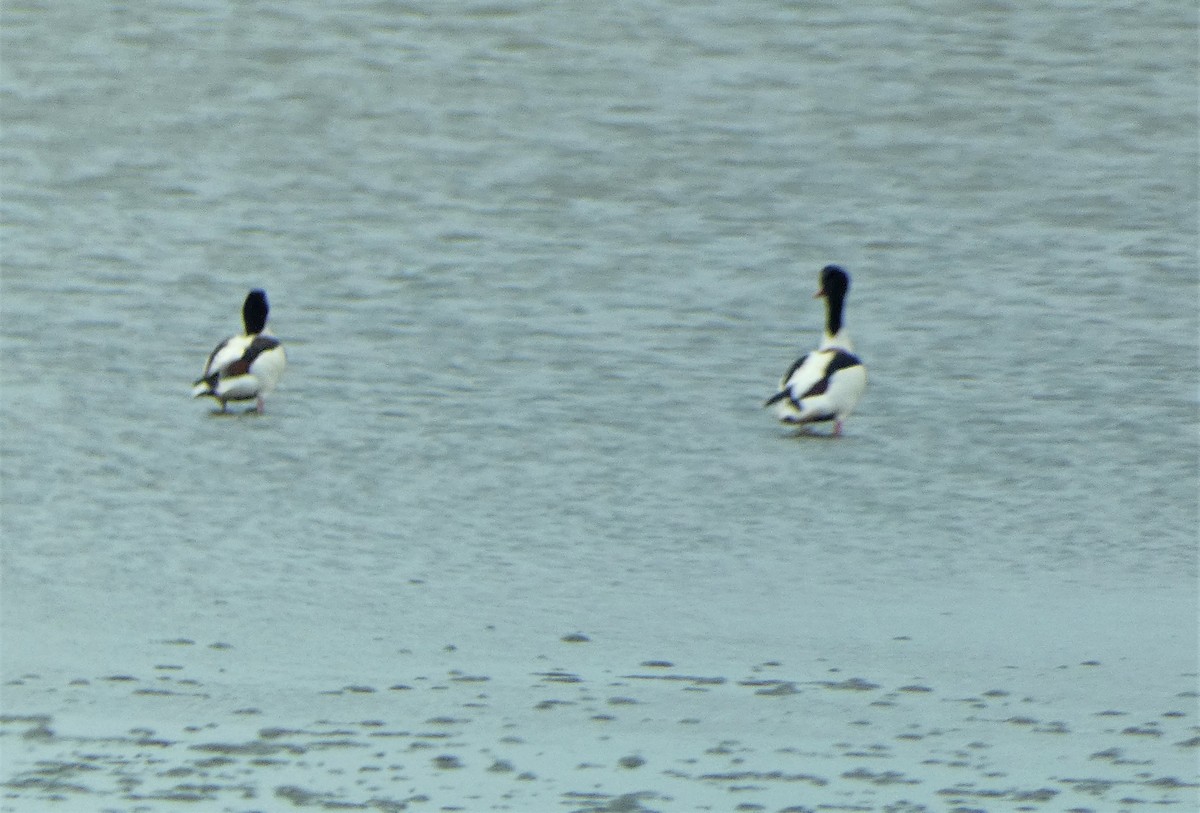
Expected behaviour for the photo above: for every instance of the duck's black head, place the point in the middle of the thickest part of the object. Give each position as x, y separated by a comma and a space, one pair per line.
835, 282
254, 311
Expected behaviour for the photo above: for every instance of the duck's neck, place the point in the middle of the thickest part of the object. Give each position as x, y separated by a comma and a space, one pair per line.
841, 340
254, 316
835, 334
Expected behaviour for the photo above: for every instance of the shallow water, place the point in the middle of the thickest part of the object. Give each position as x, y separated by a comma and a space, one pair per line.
536, 269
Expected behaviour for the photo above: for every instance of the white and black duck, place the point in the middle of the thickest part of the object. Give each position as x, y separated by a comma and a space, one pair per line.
245, 367
824, 385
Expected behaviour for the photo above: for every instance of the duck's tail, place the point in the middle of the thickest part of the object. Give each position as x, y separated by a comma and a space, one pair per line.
204, 386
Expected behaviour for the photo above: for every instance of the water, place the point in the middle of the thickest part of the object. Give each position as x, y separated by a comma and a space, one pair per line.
537, 266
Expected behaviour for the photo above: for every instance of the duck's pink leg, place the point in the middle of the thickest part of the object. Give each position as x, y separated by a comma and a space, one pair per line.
260, 404
837, 428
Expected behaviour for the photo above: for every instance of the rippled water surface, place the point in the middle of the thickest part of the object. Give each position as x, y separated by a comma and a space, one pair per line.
537, 266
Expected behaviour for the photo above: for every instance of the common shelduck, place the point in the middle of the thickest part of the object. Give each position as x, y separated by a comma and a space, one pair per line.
824, 385
246, 367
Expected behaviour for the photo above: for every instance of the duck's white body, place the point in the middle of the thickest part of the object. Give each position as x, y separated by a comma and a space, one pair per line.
823, 385
826, 384
246, 367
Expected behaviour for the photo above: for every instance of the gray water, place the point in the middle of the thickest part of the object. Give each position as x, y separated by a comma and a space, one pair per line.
536, 267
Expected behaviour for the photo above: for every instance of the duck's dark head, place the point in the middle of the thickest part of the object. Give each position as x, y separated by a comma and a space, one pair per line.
254, 312
835, 282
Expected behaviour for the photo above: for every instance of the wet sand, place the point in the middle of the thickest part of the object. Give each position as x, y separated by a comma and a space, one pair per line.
461, 729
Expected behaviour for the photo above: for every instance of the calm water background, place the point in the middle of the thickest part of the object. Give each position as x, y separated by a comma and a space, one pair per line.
536, 267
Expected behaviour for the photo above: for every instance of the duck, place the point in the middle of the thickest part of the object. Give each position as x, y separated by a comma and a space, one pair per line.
245, 367
826, 384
